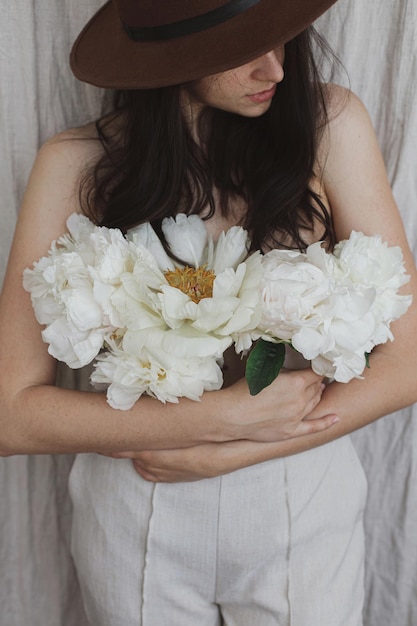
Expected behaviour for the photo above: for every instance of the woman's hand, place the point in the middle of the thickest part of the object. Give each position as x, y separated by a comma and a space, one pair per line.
208, 460
188, 464
197, 463
191, 464
278, 412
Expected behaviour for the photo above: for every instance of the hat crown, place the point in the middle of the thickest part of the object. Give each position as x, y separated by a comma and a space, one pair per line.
142, 44
151, 13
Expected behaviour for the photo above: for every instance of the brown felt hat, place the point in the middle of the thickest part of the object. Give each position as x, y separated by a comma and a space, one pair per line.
134, 44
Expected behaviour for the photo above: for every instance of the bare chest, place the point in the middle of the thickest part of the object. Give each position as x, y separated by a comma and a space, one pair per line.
237, 212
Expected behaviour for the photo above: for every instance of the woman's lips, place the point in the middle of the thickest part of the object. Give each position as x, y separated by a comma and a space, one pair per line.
263, 96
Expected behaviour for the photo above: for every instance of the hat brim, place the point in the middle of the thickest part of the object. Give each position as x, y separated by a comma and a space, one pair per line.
103, 54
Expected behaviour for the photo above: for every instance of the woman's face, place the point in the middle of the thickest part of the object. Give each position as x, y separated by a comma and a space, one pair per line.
246, 90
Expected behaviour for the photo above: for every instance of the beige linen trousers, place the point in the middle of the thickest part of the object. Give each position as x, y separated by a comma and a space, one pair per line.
276, 544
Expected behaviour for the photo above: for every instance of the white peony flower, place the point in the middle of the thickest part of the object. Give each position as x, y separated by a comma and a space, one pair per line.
292, 289
157, 372
164, 325
71, 289
341, 367
370, 261
333, 308
213, 291
45, 282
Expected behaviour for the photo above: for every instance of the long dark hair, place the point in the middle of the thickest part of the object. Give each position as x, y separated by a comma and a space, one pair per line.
152, 168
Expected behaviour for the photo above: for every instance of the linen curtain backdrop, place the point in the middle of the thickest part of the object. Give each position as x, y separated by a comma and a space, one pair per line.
377, 43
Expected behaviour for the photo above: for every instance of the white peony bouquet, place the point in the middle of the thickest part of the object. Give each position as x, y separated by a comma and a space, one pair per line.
152, 324
332, 308
159, 326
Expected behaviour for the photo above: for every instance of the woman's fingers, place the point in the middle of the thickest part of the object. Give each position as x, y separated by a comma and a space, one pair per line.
317, 425
144, 473
316, 392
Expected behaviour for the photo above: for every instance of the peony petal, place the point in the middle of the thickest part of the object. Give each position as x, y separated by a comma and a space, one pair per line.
82, 311
76, 349
176, 306
308, 342
79, 226
144, 235
231, 249
187, 237
213, 313
229, 282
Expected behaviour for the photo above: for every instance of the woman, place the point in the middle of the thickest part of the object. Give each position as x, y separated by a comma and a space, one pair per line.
250, 546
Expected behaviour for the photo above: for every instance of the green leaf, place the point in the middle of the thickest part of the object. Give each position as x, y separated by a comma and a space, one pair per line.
263, 365
367, 355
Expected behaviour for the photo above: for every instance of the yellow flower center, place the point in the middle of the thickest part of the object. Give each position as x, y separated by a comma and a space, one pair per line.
195, 283
161, 372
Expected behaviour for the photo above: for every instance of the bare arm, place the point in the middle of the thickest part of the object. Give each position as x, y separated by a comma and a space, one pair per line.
37, 417
356, 185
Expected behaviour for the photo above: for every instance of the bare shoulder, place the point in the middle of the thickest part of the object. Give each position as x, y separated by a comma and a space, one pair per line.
349, 146
340, 100
72, 150
353, 171
62, 160
53, 191
348, 120
59, 166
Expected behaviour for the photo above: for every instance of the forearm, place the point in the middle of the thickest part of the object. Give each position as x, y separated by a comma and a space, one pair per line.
45, 419
40, 418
